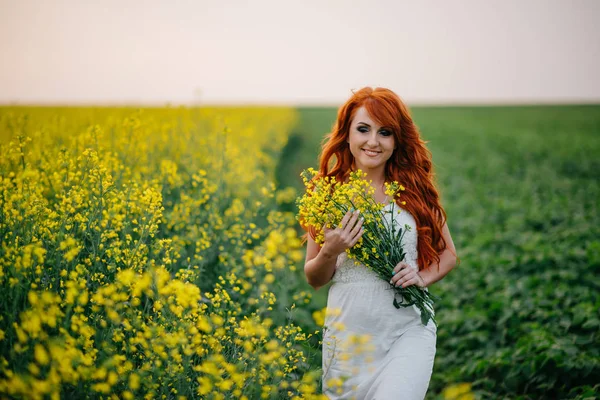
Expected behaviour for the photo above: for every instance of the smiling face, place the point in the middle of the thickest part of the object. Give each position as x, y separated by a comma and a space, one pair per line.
370, 144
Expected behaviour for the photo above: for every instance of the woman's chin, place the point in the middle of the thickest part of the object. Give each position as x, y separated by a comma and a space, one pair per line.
370, 164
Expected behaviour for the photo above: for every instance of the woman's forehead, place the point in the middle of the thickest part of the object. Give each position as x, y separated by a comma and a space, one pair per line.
362, 115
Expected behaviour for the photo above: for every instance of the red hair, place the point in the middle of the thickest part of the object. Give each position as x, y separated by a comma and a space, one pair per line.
410, 164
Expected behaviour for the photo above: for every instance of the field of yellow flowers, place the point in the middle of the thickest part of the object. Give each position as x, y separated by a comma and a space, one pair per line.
154, 253
143, 256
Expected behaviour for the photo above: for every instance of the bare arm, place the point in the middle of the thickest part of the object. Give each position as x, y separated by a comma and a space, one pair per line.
447, 262
319, 265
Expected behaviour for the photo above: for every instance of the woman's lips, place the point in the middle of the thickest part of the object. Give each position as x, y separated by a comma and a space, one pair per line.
371, 153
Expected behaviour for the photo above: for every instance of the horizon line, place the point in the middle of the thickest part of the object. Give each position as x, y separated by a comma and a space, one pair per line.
301, 104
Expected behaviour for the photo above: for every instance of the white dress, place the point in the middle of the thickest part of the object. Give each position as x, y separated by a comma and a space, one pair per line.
371, 349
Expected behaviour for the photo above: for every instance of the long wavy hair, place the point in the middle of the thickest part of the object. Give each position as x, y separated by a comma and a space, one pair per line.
410, 164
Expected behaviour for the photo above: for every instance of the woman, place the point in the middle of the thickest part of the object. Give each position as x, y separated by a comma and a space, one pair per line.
372, 350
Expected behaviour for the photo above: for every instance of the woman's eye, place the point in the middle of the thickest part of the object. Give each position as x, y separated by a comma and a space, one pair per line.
383, 132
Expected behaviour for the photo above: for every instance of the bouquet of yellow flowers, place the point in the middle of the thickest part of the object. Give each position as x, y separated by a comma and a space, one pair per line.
325, 203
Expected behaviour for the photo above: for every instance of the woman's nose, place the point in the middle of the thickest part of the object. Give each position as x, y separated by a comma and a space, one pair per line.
373, 139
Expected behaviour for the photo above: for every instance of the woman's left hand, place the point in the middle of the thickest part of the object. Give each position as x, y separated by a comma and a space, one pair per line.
404, 275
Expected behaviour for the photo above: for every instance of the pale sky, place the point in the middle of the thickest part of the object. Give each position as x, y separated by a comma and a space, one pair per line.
298, 52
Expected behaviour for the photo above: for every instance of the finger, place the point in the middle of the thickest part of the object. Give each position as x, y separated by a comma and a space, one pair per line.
405, 272
408, 283
402, 276
345, 219
357, 227
357, 237
407, 279
396, 276
351, 222
400, 266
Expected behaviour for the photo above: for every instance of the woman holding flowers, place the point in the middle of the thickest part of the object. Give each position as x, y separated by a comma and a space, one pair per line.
374, 346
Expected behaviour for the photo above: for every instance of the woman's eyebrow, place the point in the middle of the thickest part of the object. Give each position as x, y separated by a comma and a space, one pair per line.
364, 123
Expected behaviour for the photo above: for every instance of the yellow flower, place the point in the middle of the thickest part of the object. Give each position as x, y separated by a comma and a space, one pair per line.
134, 382
41, 355
459, 391
319, 316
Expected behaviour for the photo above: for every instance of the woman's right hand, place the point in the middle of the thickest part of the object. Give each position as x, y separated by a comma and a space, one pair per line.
337, 240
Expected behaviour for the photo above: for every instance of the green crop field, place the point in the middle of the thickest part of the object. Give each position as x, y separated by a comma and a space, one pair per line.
520, 316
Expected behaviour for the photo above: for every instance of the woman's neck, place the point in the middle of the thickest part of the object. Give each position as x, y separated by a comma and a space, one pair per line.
377, 178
